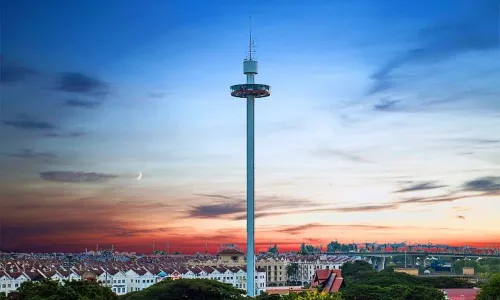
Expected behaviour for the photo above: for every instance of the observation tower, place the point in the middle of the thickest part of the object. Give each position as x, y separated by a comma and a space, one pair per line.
250, 91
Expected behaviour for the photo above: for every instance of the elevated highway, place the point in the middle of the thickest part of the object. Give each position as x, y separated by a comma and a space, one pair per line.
416, 253
378, 257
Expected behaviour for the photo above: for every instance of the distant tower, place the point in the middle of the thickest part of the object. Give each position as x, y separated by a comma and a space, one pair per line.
250, 91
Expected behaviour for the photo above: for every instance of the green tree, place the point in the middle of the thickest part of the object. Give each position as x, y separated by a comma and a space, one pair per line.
312, 295
333, 247
292, 271
364, 292
488, 265
273, 250
266, 296
423, 292
3, 296
458, 266
129, 295
70, 290
397, 291
393, 292
445, 282
356, 269
491, 289
303, 249
188, 289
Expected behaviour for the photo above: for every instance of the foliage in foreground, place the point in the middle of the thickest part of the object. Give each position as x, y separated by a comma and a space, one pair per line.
205, 289
53, 290
361, 272
301, 296
363, 283
392, 292
491, 289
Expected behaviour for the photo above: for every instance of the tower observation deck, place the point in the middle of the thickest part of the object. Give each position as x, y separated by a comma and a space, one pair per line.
250, 90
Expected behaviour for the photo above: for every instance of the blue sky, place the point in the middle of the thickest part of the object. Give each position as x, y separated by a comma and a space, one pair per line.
377, 108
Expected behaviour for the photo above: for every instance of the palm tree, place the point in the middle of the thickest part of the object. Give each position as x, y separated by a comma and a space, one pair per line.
292, 271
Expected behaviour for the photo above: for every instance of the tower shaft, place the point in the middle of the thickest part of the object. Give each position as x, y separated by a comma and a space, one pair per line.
250, 190
250, 91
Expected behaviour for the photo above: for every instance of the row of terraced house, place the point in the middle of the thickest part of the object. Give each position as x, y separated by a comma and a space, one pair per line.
124, 281
276, 266
138, 273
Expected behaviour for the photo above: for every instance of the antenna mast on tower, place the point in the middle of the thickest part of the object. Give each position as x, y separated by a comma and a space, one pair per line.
251, 45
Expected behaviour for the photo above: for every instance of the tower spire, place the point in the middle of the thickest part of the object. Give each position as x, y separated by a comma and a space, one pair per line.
251, 46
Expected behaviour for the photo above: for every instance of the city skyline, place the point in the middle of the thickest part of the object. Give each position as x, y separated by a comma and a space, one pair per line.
381, 126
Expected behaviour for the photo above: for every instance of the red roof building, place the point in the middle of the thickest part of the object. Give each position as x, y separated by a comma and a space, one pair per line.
330, 281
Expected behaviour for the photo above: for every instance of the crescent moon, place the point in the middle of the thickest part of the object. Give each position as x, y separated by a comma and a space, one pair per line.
140, 176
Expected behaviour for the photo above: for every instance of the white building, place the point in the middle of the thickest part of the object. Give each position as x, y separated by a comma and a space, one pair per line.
18, 278
119, 282
137, 279
5, 283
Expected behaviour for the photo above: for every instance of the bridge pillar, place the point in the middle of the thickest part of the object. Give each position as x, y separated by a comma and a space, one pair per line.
410, 261
380, 263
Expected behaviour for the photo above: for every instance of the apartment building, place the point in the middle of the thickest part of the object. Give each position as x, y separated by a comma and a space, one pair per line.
276, 269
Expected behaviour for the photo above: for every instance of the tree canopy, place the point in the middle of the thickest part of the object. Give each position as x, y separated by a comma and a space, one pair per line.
308, 249
338, 247
362, 282
301, 296
481, 266
491, 289
292, 271
273, 250
203, 289
356, 268
392, 292
70, 290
